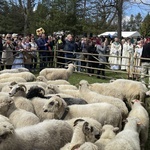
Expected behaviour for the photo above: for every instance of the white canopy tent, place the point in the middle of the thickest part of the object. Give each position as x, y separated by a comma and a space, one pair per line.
125, 34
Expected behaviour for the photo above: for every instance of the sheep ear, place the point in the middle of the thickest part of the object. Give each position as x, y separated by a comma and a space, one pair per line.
75, 147
86, 130
23, 86
76, 121
116, 129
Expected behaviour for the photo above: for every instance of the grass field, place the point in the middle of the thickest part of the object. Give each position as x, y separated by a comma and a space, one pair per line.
76, 77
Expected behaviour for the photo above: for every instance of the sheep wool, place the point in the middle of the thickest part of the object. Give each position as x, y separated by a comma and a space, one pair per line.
99, 111
57, 73
47, 135
128, 138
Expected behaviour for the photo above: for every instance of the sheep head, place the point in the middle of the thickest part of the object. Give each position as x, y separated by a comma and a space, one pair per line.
17, 89
35, 91
54, 104
41, 78
85, 131
83, 83
6, 129
109, 132
5, 103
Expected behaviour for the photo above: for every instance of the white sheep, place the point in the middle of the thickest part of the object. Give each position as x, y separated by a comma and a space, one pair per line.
28, 76
87, 146
99, 111
15, 70
108, 133
18, 93
56, 90
2, 85
141, 113
38, 104
83, 132
106, 89
55, 82
6, 88
12, 79
18, 117
131, 89
128, 138
91, 121
57, 73
93, 97
47, 135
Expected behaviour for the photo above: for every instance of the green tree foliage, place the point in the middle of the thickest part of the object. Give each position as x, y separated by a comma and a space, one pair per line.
76, 16
145, 27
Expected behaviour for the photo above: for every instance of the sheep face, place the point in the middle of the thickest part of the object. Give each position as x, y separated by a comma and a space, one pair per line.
17, 89
5, 103
6, 129
52, 105
91, 133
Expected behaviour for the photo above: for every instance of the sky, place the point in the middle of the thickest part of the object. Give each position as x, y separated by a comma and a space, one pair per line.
135, 8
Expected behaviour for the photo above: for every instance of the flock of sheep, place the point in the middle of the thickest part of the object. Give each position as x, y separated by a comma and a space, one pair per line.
48, 113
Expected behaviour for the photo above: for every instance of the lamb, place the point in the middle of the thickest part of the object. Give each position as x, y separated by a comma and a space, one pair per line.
28, 76
128, 138
18, 117
140, 112
99, 111
108, 133
57, 73
47, 135
36, 91
93, 97
18, 92
55, 82
83, 132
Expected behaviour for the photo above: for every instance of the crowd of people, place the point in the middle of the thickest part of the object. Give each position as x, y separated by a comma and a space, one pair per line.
22, 51
18, 51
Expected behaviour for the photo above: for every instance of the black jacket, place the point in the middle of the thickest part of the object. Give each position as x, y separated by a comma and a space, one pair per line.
146, 53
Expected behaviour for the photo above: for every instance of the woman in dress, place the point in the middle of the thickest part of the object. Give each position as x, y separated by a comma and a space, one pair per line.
18, 62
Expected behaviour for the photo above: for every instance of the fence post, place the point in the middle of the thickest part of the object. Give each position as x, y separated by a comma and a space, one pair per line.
55, 57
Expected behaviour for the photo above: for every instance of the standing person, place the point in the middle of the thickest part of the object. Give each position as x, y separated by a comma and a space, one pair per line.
7, 54
101, 50
91, 50
43, 50
34, 49
125, 54
51, 44
18, 61
70, 47
130, 50
137, 57
145, 62
115, 51
78, 54
84, 57
60, 47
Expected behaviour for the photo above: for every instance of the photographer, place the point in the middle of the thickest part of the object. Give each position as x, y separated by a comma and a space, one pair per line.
7, 54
